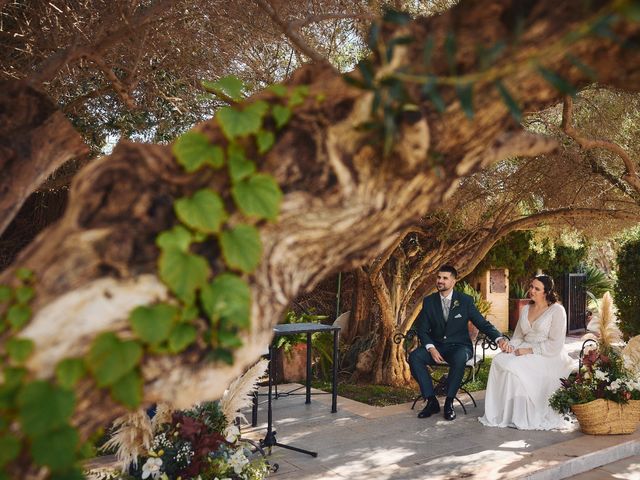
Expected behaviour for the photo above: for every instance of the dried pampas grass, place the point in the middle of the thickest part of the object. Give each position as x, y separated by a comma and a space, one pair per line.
162, 416
131, 437
631, 355
238, 395
604, 326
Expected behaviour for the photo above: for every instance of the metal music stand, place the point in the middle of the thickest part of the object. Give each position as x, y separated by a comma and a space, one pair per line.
270, 438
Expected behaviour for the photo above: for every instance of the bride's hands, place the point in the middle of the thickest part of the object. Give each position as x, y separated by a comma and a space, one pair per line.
523, 351
503, 343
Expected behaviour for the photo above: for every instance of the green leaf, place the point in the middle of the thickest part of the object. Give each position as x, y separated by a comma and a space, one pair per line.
509, 101
181, 337
298, 95
5, 293
229, 340
430, 89
373, 36
24, 294
9, 449
183, 272
465, 95
586, 69
24, 274
281, 115
259, 195
193, 150
18, 315
204, 211
238, 123
188, 313
43, 407
557, 82
277, 88
128, 390
69, 371
394, 16
241, 248
57, 449
110, 358
265, 140
630, 11
19, 349
239, 166
229, 86
228, 298
153, 324
366, 69
450, 47
178, 237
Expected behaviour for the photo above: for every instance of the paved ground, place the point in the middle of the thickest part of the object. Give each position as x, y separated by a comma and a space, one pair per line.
364, 442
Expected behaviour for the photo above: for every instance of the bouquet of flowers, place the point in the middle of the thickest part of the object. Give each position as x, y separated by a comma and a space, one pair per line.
607, 371
202, 443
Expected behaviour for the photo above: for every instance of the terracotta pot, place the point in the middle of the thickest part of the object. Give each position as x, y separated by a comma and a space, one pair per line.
515, 307
292, 366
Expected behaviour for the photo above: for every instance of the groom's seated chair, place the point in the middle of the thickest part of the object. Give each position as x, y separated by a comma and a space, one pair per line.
410, 341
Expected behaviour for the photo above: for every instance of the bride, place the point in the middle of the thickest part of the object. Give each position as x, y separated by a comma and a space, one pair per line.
528, 371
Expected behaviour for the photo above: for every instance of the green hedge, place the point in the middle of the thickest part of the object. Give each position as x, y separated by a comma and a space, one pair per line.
627, 290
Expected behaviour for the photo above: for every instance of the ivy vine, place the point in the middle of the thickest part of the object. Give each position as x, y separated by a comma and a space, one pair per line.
35, 415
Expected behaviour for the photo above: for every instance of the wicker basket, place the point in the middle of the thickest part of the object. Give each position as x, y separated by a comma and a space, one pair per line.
604, 417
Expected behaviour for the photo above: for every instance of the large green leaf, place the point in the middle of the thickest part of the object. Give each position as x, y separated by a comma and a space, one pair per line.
24, 294
193, 150
18, 315
43, 407
259, 195
227, 298
6, 293
56, 449
239, 123
9, 449
178, 237
264, 140
204, 211
182, 336
281, 115
69, 371
110, 358
239, 165
241, 247
298, 95
24, 274
229, 86
19, 349
183, 272
153, 324
128, 389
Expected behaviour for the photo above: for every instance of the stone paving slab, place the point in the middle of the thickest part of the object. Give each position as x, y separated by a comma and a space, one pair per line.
365, 442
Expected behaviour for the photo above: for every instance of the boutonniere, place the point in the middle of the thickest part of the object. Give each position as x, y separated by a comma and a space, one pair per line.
456, 303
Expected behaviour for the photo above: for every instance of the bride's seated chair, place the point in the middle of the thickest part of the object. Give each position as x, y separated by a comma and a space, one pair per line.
410, 341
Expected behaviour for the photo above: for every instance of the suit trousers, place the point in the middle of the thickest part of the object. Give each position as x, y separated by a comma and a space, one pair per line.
456, 357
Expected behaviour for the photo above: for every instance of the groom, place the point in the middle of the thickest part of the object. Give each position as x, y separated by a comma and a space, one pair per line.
444, 337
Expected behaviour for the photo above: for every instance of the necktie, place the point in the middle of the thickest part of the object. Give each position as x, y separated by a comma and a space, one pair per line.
445, 307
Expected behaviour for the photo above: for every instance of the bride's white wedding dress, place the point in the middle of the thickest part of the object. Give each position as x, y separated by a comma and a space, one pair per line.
519, 387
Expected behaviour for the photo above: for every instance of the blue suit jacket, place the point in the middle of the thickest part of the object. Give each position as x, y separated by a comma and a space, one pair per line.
431, 326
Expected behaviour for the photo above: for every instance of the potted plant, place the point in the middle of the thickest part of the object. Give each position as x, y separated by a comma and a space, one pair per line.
291, 365
604, 394
518, 298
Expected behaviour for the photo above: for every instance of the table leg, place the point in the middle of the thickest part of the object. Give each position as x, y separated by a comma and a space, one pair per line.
308, 399
334, 384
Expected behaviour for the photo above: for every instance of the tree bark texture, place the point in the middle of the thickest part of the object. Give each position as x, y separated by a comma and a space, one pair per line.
344, 201
35, 139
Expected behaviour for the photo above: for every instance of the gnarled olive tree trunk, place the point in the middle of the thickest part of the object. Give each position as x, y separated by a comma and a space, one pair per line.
344, 200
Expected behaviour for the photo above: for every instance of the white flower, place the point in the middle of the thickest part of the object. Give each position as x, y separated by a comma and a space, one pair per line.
151, 468
231, 433
615, 386
238, 461
600, 375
